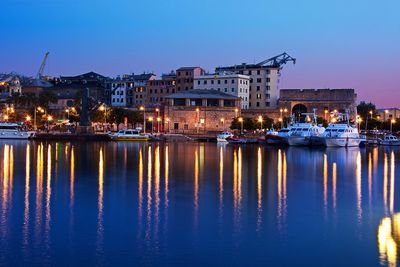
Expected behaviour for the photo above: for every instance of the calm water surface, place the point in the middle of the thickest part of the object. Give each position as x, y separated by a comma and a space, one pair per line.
189, 204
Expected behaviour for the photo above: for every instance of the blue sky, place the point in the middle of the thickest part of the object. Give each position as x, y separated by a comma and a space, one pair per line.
338, 44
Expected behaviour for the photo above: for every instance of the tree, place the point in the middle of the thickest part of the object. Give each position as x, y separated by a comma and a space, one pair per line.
47, 97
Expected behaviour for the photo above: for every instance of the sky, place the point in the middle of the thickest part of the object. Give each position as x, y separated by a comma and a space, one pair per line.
337, 44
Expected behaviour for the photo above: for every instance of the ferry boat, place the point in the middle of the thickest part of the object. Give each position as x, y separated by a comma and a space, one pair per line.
342, 134
305, 134
277, 137
221, 138
129, 135
13, 131
389, 140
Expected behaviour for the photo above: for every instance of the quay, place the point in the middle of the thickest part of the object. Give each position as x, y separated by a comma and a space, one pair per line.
71, 137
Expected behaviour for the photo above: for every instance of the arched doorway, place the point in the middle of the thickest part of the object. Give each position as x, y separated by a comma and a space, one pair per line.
298, 109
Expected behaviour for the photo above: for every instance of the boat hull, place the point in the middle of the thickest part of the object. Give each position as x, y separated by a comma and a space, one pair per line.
389, 143
299, 141
16, 135
342, 142
127, 138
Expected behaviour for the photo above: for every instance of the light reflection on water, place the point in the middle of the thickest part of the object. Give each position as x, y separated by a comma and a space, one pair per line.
156, 204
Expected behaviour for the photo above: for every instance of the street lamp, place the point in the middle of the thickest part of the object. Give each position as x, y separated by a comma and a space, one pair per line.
391, 124
28, 118
236, 112
6, 117
151, 120
241, 124
222, 121
142, 108
104, 108
167, 121
281, 121
325, 112
67, 111
260, 120
158, 124
158, 115
386, 112
197, 118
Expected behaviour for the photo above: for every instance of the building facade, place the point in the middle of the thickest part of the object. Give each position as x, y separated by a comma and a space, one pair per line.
200, 111
9, 85
230, 83
323, 100
158, 90
387, 114
263, 87
184, 77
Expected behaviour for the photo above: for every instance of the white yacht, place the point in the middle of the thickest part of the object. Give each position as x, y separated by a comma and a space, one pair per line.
389, 140
305, 134
129, 135
221, 138
341, 135
277, 137
13, 131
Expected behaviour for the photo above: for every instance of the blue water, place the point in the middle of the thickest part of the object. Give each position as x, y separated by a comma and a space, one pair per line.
190, 204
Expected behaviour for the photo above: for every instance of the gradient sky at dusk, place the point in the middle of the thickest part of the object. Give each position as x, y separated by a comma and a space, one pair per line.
338, 44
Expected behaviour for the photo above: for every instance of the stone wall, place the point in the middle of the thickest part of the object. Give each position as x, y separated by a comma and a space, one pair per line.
187, 119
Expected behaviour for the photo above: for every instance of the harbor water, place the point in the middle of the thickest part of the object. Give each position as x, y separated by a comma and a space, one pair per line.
197, 204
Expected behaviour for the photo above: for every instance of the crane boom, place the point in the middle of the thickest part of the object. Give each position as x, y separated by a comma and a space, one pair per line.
278, 60
41, 69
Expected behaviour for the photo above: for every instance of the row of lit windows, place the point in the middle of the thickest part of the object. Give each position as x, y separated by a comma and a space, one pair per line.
225, 81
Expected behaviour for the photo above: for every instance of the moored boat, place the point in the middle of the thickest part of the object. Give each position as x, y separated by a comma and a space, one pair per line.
221, 138
341, 135
13, 131
389, 140
129, 135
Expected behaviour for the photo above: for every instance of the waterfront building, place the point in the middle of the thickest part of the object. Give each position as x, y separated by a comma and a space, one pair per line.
263, 87
71, 86
184, 77
157, 90
386, 114
9, 85
230, 83
323, 100
200, 111
119, 93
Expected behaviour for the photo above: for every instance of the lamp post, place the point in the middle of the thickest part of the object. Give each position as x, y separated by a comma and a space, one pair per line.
391, 124
67, 111
260, 120
325, 112
241, 124
151, 120
142, 108
167, 121
158, 124
386, 112
281, 121
197, 119
236, 112
158, 115
104, 108
366, 121
222, 121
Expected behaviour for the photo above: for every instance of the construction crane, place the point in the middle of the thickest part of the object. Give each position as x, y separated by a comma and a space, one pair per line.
41, 69
278, 61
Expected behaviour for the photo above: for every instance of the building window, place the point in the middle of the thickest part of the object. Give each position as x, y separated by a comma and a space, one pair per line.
258, 80
219, 81
258, 104
258, 88
268, 88
226, 81
258, 96
204, 82
240, 81
268, 80
258, 72
226, 90
233, 81
202, 121
198, 82
267, 104
268, 96
212, 81
249, 72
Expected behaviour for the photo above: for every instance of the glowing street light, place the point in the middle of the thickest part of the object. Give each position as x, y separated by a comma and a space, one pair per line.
6, 117
240, 119
142, 108
28, 118
167, 121
151, 120
158, 124
236, 112
391, 124
222, 121
49, 118
103, 108
260, 120
197, 119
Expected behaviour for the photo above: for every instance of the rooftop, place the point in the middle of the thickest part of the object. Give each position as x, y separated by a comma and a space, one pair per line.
187, 68
202, 94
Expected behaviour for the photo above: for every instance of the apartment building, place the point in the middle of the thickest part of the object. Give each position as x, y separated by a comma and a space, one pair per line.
184, 77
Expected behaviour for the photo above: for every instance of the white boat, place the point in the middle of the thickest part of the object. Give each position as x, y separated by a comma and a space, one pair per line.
304, 134
341, 135
221, 138
129, 135
389, 140
277, 137
13, 131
